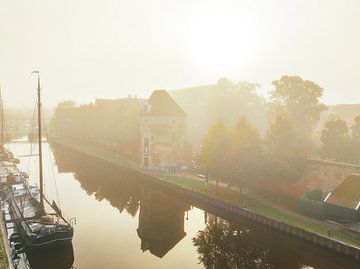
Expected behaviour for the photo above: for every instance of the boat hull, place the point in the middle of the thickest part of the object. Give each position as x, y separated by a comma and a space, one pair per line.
50, 241
61, 257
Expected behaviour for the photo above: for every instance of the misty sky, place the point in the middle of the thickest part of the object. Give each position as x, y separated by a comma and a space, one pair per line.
86, 49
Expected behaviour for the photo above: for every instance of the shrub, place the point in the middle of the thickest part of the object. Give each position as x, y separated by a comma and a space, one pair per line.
314, 209
315, 195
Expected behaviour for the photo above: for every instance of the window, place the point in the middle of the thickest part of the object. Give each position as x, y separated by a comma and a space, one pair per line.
146, 161
146, 142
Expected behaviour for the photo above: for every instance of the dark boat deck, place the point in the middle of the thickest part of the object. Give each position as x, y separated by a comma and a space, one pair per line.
37, 218
41, 226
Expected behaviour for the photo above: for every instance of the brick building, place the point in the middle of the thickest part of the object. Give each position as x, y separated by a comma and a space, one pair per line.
150, 133
163, 130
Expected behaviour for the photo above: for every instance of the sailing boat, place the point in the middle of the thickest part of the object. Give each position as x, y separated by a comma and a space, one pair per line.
40, 224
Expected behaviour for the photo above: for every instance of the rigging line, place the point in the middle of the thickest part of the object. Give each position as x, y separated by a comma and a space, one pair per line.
53, 174
50, 162
50, 185
44, 123
45, 181
52, 166
31, 144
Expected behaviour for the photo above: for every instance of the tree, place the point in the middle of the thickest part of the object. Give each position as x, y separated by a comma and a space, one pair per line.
298, 100
355, 129
245, 153
355, 137
229, 101
285, 157
232, 154
214, 149
335, 140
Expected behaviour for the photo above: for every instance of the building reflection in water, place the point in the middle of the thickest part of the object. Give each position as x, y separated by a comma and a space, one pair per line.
161, 222
161, 217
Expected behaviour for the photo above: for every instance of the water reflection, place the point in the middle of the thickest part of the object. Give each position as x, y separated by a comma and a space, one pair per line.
161, 218
161, 222
224, 245
160, 228
102, 183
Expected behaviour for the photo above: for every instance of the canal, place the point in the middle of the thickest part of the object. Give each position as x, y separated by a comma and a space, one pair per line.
123, 222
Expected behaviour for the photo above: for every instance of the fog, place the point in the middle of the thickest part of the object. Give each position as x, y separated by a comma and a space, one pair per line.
87, 49
198, 134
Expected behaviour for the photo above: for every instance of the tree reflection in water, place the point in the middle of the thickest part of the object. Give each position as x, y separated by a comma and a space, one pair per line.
224, 245
97, 178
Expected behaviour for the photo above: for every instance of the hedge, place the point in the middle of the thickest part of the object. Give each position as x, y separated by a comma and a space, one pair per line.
322, 211
341, 214
314, 209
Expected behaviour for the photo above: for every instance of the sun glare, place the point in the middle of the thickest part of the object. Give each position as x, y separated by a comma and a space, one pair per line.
221, 42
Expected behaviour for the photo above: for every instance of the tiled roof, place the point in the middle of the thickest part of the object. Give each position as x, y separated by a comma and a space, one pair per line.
162, 105
347, 194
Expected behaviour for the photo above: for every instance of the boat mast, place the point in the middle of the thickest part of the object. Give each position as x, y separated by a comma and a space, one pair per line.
39, 138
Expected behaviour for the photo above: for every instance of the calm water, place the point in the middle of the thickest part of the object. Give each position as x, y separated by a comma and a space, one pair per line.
122, 223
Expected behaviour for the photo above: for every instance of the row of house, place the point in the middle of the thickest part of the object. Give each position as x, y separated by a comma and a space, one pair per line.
154, 129
157, 130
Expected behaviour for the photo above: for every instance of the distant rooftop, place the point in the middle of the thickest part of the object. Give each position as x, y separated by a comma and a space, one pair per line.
163, 105
103, 101
194, 95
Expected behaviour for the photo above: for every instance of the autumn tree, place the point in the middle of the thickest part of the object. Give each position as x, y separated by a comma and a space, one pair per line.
232, 154
298, 100
285, 157
245, 153
335, 140
215, 148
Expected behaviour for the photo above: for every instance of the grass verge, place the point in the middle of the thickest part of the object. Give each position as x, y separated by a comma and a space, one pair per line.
233, 196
